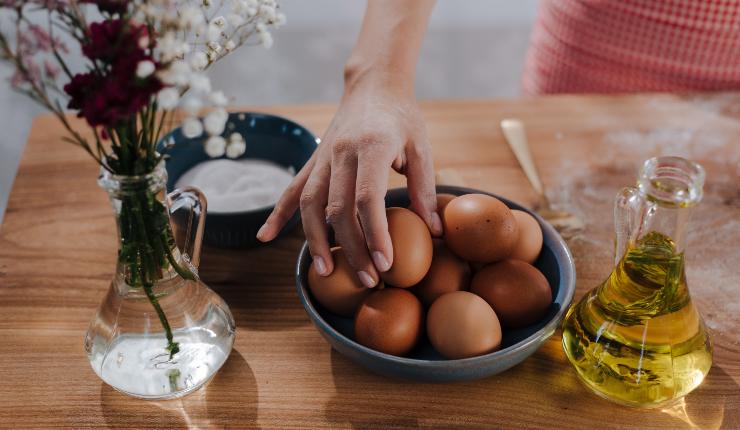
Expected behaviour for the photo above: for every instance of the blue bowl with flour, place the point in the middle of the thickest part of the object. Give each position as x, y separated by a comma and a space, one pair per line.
424, 363
268, 137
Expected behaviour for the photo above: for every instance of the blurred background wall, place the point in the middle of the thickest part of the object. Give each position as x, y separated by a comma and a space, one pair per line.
474, 49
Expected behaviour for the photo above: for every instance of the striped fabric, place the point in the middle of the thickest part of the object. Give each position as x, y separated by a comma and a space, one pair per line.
608, 46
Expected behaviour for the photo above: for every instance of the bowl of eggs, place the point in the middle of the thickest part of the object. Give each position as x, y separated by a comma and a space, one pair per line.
471, 304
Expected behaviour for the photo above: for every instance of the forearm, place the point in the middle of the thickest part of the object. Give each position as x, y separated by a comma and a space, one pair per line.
388, 47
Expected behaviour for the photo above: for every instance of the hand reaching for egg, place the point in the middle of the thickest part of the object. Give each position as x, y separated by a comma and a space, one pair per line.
344, 183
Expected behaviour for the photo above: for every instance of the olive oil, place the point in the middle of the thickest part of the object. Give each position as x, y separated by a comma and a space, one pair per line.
637, 338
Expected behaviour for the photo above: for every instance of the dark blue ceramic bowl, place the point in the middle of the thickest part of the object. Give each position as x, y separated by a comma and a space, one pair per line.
268, 137
426, 364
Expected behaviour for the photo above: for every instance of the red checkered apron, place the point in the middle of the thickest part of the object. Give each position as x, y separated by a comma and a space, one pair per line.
607, 46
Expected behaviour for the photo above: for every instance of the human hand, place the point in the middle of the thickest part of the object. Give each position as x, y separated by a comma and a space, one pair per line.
345, 181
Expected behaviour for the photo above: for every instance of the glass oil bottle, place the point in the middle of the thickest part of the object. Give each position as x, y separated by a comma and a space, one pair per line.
637, 338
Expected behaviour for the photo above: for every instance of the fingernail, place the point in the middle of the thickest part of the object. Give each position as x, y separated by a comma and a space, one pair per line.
366, 279
436, 224
320, 266
261, 232
381, 263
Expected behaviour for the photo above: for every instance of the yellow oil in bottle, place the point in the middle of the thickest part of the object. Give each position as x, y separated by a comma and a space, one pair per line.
637, 338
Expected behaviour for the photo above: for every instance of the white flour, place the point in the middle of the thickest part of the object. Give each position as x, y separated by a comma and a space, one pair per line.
236, 186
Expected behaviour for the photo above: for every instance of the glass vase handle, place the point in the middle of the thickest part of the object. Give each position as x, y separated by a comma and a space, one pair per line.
188, 207
632, 217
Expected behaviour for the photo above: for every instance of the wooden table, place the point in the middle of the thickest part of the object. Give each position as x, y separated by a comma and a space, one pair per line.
57, 254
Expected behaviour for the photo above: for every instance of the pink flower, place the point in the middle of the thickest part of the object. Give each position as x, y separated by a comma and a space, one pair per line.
33, 77
41, 38
51, 70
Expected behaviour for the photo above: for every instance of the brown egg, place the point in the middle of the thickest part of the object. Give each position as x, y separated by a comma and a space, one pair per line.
447, 273
443, 199
480, 228
389, 320
340, 292
462, 325
529, 245
516, 290
412, 248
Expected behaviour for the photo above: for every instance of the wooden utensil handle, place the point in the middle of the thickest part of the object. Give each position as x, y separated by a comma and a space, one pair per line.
517, 139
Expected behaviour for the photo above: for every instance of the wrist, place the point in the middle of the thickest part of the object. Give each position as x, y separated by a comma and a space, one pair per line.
359, 73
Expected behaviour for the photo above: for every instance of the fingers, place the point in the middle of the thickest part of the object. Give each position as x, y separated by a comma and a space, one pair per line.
287, 205
372, 184
340, 213
312, 202
420, 179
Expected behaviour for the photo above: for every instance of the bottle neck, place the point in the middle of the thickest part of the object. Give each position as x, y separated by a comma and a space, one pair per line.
147, 253
669, 188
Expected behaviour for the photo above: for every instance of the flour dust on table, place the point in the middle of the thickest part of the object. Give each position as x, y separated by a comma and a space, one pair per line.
238, 185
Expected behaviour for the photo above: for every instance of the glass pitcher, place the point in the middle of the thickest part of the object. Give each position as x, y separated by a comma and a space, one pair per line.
160, 332
637, 338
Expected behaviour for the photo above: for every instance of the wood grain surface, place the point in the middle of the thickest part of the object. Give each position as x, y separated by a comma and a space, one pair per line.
58, 251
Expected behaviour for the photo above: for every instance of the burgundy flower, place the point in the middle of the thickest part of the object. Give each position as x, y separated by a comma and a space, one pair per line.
113, 92
110, 6
106, 100
114, 39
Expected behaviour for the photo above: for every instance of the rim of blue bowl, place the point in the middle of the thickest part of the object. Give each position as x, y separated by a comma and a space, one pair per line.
567, 281
266, 208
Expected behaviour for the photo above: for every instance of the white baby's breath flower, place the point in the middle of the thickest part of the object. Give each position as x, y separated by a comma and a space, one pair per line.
214, 47
215, 122
200, 83
280, 19
199, 60
235, 20
213, 33
191, 17
261, 27
169, 47
219, 99
252, 3
168, 98
178, 73
239, 6
192, 128
267, 11
266, 39
236, 137
215, 146
144, 69
219, 22
229, 46
192, 105
236, 148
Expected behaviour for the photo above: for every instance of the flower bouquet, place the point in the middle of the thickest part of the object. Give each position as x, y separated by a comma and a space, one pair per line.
160, 332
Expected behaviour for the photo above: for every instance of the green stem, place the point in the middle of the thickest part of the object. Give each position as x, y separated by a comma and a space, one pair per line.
172, 346
146, 248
